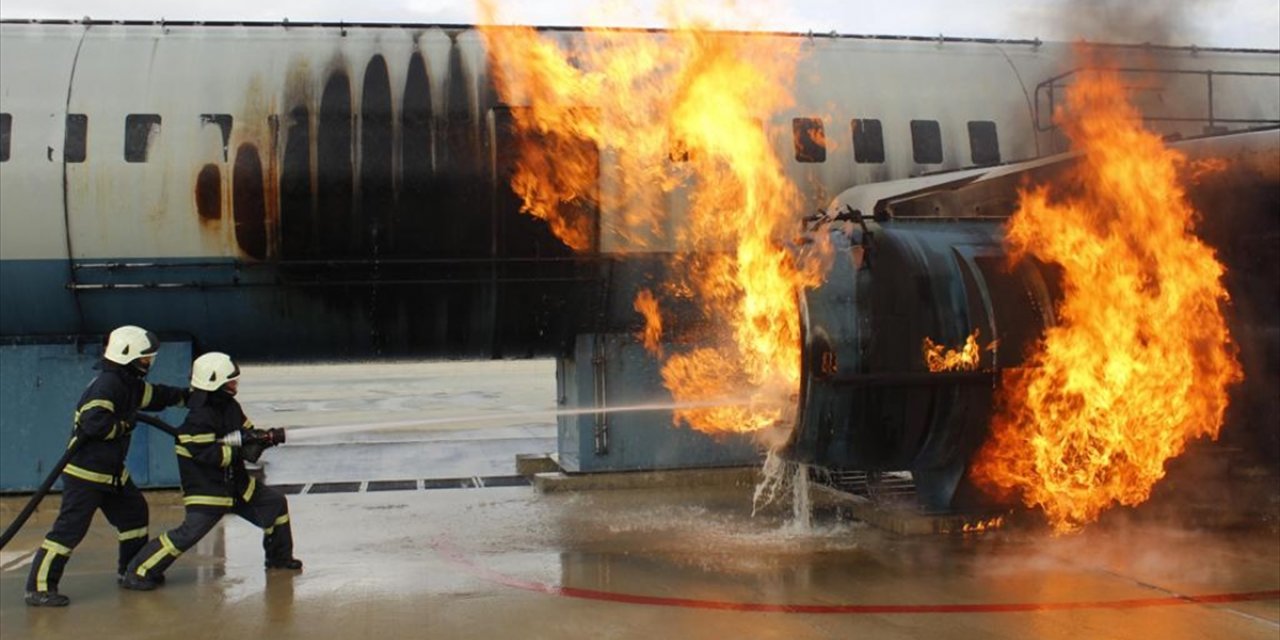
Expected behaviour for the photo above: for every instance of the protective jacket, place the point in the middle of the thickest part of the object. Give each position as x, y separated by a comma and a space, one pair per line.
213, 473
105, 418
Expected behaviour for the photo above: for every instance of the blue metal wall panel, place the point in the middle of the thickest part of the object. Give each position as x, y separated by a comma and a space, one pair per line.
39, 387
36, 299
567, 436
288, 322
637, 440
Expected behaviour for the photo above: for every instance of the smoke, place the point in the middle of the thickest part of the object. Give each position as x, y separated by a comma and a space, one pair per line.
1122, 21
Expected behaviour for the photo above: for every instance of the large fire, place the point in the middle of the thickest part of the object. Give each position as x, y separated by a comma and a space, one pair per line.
1141, 359
679, 114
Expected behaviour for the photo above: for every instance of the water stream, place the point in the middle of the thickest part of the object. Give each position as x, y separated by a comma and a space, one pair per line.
777, 477
780, 479
301, 433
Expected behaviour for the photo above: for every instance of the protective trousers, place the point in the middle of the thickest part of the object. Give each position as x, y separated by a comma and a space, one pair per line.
125, 509
267, 509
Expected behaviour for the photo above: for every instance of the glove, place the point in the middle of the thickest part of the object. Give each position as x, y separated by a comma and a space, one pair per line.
258, 440
251, 451
265, 437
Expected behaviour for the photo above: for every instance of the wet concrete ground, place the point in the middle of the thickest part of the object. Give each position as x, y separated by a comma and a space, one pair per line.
685, 563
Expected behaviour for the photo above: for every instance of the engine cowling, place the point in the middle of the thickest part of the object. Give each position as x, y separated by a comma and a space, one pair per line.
868, 401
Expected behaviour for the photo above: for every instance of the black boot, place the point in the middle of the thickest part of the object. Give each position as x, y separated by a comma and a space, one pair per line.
136, 582
292, 564
158, 579
47, 599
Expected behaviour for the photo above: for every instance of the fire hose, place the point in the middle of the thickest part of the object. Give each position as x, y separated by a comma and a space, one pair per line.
39, 494
266, 438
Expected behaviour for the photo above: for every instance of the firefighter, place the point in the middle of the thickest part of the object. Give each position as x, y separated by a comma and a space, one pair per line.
213, 444
95, 477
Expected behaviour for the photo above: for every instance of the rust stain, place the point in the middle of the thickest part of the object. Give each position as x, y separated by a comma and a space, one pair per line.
208, 193
257, 128
250, 211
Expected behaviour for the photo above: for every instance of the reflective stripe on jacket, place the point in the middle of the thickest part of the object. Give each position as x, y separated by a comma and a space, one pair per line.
213, 474
105, 418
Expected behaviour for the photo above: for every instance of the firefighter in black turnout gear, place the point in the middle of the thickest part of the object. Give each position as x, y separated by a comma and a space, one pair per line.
213, 444
96, 477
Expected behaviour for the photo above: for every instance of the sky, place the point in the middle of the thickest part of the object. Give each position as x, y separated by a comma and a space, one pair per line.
1222, 23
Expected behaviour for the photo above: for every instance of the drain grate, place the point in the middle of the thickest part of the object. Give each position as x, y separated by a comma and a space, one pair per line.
392, 485
334, 487
893, 486
448, 483
473, 482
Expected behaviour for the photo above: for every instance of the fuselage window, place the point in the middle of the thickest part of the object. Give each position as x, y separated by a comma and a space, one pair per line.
984, 147
223, 122
140, 130
6, 125
868, 141
926, 142
810, 140
77, 135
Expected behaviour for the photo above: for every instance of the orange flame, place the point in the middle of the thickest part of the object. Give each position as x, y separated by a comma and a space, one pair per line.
939, 358
651, 335
1141, 360
678, 114
983, 525
1198, 170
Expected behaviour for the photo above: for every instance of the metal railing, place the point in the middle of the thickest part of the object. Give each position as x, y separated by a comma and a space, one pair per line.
1053, 86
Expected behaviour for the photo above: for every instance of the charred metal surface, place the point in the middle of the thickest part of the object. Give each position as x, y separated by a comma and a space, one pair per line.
1241, 210
417, 140
209, 192
334, 174
459, 217
581, 213
406, 231
297, 231
460, 224
377, 198
868, 401
249, 203
527, 246
375, 209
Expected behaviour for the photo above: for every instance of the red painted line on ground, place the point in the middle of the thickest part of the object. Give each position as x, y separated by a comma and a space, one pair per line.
1001, 607
453, 554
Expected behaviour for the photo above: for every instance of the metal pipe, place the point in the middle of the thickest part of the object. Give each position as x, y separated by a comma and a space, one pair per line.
1209, 79
334, 262
601, 431
327, 283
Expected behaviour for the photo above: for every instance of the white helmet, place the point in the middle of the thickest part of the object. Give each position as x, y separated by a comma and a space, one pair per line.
128, 343
212, 370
